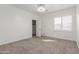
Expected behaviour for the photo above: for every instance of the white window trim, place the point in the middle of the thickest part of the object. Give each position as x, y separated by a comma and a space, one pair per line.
62, 26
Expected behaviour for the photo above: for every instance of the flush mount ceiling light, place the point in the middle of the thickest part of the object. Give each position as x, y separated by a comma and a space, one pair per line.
41, 8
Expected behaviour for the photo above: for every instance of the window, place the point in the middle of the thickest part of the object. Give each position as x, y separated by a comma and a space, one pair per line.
57, 23
63, 23
67, 23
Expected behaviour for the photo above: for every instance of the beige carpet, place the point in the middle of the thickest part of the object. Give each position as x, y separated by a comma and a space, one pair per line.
40, 45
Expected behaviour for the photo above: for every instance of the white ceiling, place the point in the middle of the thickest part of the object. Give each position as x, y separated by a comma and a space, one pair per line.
50, 7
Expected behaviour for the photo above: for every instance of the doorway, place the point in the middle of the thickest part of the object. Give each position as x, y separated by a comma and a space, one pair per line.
33, 28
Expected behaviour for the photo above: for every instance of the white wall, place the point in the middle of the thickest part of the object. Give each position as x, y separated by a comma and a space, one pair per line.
15, 24
48, 25
38, 26
77, 14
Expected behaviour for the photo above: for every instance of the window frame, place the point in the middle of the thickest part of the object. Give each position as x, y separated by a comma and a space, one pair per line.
62, 24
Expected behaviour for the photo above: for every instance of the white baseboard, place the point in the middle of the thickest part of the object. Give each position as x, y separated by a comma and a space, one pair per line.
60, 38
7, 42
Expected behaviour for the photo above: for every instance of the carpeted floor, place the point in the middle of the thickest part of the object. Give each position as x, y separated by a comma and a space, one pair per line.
40, 45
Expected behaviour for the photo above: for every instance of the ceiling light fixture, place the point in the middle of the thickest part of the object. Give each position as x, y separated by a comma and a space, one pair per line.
41, 8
